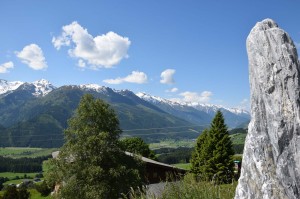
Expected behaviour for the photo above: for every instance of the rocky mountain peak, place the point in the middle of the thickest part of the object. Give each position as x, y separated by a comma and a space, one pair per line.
6, 86
42, 87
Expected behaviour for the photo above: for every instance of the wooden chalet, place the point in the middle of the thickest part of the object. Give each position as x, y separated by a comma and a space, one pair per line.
155, 171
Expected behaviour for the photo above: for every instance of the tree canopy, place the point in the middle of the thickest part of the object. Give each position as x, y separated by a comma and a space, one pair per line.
91, 164
212, 157
137, 145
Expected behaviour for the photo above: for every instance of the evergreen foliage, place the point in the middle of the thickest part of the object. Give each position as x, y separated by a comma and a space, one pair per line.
22, 165
174, 155
212, 157
91, 164
137, 145
201, 155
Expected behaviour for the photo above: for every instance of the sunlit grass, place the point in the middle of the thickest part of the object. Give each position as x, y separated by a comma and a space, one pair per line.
189, 188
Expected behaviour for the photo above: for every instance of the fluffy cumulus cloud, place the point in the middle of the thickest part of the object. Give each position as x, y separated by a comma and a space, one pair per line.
172, 90
135, 77
104, 50
4, 68
167, 76
203, 97
33, 56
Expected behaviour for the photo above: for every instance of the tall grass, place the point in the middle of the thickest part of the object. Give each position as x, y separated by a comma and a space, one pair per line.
189, 188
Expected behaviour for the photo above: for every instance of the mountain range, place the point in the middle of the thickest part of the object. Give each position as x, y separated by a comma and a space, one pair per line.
35, 114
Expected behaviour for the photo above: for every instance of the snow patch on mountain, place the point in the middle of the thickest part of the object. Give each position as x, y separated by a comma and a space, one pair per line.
93, 87
155, 99
42, 87
6, 87
208, 108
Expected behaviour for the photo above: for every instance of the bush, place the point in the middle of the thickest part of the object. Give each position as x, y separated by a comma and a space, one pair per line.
2, 180
11, 193
43, 188
23, 193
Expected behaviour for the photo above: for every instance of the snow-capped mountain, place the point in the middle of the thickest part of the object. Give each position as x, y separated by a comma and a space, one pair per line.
196, 112
6, 87
93, 87
203, 107
38, 88
31, 104
42, 87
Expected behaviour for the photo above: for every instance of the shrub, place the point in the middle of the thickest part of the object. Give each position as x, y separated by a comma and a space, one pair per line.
43, 188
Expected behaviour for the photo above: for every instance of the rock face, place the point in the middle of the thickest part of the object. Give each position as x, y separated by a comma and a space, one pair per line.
271, 160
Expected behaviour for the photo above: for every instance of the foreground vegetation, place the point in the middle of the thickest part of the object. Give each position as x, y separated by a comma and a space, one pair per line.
189, 188
34, 194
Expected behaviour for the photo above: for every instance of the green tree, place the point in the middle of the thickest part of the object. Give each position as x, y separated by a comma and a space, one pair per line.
212, 158
11, 193
24, 193
201, 155
43, 188
137, 145
91, 163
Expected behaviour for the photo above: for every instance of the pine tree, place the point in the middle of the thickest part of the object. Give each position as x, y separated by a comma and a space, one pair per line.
91, 163
220, 165
200, 155
212, 158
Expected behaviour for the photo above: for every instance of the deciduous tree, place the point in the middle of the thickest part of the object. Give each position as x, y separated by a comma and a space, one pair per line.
137, 145
91, 163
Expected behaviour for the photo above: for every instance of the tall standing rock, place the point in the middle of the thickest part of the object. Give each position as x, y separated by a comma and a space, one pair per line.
271, 160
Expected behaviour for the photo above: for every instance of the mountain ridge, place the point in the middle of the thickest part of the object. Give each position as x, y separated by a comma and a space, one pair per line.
43, 87
42, 110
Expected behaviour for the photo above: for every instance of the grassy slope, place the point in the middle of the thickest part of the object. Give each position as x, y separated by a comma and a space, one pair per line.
186, 166
34, 194
169, 143
238, 138
19, 152
12, 175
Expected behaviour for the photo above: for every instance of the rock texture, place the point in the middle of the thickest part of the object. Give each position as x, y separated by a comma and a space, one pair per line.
271, 161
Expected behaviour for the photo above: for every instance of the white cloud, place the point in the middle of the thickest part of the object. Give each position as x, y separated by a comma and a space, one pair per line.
104, 50
5, 66
33, 56
203, 97
167, 76
135, 77
172, 90
81, 63
244, 104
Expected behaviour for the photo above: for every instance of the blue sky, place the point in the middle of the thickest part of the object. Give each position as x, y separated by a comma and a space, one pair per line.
188, 50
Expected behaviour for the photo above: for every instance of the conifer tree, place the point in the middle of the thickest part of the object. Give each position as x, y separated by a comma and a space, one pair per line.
212, 158
220, 165
200, 155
